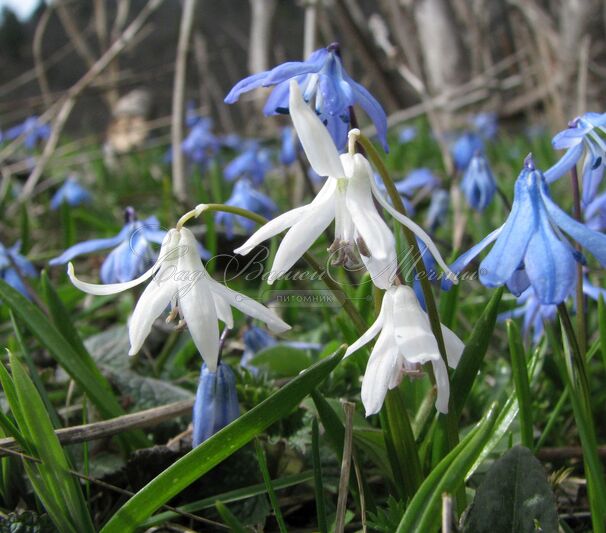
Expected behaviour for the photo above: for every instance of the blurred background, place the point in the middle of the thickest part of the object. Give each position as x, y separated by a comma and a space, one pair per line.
448, 58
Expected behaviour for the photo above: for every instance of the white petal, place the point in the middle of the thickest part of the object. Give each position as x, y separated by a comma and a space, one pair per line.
272, 228
166, 251
454, 347
196, 301
442, 384
412, 329
301, 236
370, 227
249, 307
153, 301
223, 309
319, 147
373, 330
415, 228
382, 366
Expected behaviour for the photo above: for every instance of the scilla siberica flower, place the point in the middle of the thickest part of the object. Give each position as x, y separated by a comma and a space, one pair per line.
418, 178
33, 131
438, 209
216, 403
200, 145
346, 198
464, 148
405, 342
595, 213
247, 197
530, 245
478, 183
13, 266
180, 279
582, 137
132, 252
254, 163
324, 82
72, 193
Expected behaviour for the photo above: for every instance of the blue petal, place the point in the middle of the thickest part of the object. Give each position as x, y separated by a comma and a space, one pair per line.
510, 247
11, 277
591, 240
518, 282
566, 162
372, 108
463, 260
549, 264
245, 85
88, 247
291, 69
277, 102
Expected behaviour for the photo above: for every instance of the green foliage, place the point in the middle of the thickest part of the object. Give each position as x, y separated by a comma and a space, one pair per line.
514, 496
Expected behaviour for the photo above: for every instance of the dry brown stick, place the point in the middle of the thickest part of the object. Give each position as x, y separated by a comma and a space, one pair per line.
178, 165
566, 452
348, 407
109, 486
74, 34
37, 53
65, 106
108, 428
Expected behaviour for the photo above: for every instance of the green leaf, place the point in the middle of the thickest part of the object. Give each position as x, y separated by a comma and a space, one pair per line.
602, 327
318, 481
262, 460
54, 468
473, 354
281, 360
230, 518
228, 497
514, 496
520, 378
85, 373
423, 512
221, 445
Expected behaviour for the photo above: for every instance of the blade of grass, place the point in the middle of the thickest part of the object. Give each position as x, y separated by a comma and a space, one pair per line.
318, 482
85, 374
230, 518
520, 379
261, 459
220, 446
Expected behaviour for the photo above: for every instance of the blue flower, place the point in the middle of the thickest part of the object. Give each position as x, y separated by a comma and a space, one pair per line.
464, 148
72, 193
438, 210
402, 190
478, 183
132, 253
200, 145
595, 213
244, 195
254, 162
324, 81
530, 247
407, 134
13, 266
290, 146
33, 131
216, 403
582, 137
486, 125
535, 314
419, 178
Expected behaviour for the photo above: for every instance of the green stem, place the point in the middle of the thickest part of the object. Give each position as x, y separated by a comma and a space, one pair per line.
581, 404
430, 304
580, 297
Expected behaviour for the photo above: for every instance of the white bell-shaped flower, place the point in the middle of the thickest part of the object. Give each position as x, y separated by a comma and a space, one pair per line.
405, 342
180, 279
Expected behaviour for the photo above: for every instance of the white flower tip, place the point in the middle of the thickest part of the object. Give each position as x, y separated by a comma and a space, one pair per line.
278, 326
242, 250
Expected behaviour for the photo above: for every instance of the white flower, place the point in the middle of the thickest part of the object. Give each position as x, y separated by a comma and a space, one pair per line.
346, 198
405, 342
180, 279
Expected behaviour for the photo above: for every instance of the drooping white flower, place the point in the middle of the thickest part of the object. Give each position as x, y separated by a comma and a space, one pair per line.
405, 342
346, 198
180, 279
